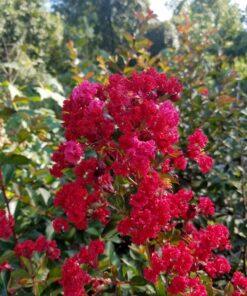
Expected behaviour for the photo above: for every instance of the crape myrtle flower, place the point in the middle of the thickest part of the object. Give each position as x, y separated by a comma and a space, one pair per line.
128, 129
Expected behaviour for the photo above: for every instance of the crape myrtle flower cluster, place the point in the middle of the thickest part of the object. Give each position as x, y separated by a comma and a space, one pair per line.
240, 284
7, 223
128, 130
74, 278
41, 245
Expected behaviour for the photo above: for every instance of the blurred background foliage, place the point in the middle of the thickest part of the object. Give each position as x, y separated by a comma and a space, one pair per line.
47, 47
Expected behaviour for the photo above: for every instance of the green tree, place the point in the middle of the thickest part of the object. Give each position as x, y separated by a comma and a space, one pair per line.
99, 24
222, 15
30, 37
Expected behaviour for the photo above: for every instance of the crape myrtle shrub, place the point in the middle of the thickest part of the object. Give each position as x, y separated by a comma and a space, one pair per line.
124, 222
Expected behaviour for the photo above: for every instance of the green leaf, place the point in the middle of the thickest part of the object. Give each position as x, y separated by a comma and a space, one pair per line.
144, 43
15, 159
21, 100
19, 278
5, 113
3, 285
160, 288
45, 93
110, 251
229, 289
14, 91
208, 284
8, 171
54, 275
28, 264
138, 281
45, 194
128, 37
7, 256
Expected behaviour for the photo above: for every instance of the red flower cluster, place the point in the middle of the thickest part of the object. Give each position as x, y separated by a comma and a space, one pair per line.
206, 206
181, 285
68, 154
217, 266
205, 242
76, 201
74, 278
84, 114
73, 198
240, 284
175, 260
60, 225
28, 247
7, 223
197, 254
5, 266
197, 142
122, 139
89, 255
149, 199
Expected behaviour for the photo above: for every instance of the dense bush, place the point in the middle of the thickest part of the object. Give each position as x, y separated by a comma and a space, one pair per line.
49, 47
123, 221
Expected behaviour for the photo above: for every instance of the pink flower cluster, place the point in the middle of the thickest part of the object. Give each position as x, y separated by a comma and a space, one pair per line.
40, 245
122, 140
7, 223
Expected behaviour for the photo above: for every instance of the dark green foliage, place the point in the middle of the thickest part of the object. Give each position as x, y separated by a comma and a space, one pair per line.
99, 24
